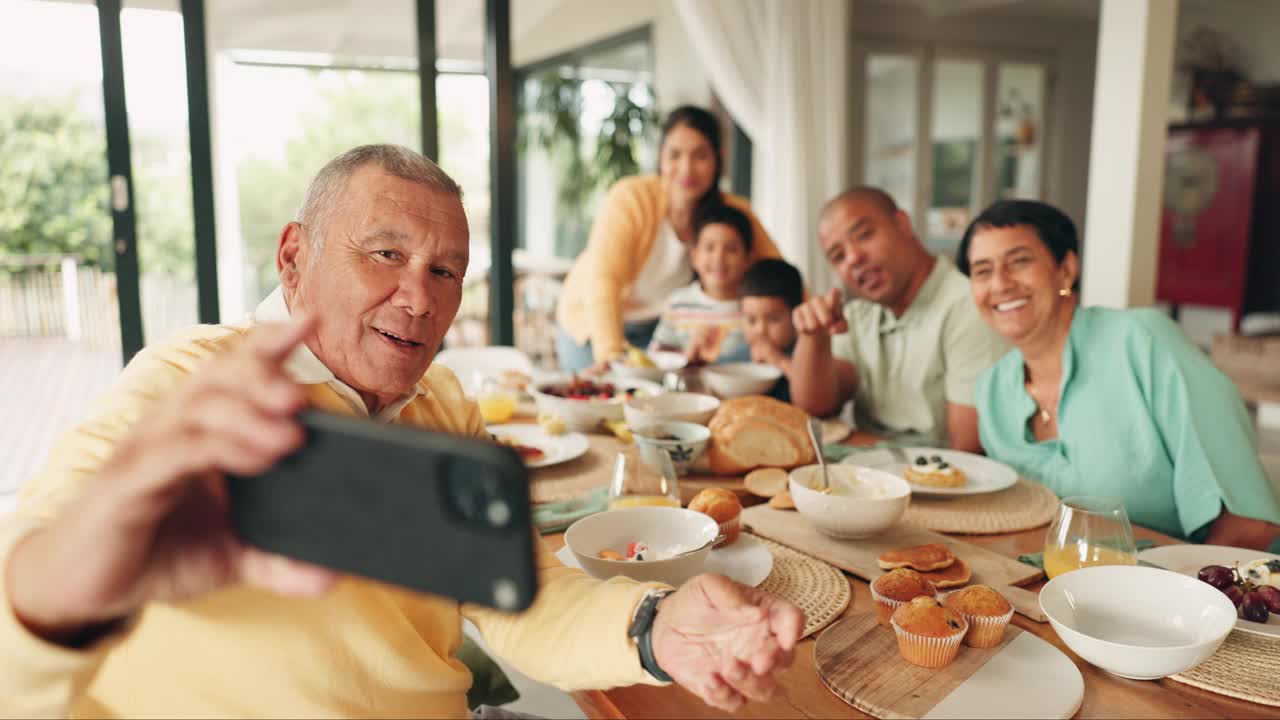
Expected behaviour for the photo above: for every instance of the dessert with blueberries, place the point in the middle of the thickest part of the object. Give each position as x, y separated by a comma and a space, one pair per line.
934, 471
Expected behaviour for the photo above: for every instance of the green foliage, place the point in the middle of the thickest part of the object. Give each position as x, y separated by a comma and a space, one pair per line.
53, 181
586, 164
356, 109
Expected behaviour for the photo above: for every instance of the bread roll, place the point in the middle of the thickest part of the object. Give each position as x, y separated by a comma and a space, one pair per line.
722, 506
757, 431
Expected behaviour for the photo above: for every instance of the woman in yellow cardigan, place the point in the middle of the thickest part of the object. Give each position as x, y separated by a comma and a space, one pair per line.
638, 250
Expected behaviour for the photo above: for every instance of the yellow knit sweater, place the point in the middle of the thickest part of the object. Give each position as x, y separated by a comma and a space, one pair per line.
363, 650
621, 239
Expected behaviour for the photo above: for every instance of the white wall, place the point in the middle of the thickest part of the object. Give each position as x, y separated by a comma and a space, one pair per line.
678, 76
1251, 26
1070, 44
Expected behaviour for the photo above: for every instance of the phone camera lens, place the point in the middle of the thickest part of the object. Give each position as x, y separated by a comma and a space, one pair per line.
499, 513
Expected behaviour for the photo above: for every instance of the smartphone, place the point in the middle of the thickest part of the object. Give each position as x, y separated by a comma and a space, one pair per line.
424, 510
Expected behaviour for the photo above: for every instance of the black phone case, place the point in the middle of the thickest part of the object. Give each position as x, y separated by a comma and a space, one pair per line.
428, 511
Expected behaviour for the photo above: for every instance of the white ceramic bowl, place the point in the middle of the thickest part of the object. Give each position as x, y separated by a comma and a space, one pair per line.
666, 362
678, 406
732, 380
864, 500
685, 441
586, 415
660, 528
1137, 622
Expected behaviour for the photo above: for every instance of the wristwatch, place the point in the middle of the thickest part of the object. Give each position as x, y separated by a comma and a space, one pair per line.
642, 631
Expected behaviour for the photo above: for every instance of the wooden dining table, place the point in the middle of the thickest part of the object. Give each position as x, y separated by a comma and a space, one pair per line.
801, 693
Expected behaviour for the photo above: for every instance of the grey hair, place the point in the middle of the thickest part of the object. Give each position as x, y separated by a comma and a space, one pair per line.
325, 193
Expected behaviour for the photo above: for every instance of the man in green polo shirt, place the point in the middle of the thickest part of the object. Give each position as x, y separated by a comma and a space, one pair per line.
908, 348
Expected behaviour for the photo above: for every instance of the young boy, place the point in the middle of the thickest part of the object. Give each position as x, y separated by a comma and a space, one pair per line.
771, 289
704, 319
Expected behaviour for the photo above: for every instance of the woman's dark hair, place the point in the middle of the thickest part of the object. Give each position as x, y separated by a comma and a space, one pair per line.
720, 213
705, 124
1051, 225
772, 277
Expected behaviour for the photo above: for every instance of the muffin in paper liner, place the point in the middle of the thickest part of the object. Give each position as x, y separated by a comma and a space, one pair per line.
926, 651
885, 606
985, 631
896, 579
730, 529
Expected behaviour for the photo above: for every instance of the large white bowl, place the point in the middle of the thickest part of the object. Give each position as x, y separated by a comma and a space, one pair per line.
665, 361
732, 380
1137, 622
683, 440
678, 406
864, 501
586, 415
658, 527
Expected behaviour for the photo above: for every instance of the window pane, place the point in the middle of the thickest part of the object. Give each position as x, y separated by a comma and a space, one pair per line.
957, 116
289, 94
890, 142
586, 119
59, 319
156, 96
1020, 93
315, 114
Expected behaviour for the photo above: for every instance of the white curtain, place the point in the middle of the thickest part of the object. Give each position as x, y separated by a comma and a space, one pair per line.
781, 68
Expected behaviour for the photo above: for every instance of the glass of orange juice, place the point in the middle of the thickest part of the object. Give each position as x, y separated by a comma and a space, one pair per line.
1088, 530
635, 485
497, 405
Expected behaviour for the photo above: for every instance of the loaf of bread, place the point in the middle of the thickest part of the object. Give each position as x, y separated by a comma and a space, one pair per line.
757, 431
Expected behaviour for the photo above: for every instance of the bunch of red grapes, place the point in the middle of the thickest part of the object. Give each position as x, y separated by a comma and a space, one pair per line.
1256, 602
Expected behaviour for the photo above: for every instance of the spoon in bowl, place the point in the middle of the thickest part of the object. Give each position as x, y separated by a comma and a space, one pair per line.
815, 432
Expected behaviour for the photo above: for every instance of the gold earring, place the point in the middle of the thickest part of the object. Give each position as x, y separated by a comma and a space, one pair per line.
1064, 292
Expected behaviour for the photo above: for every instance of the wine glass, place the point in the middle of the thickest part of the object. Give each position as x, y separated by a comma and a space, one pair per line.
635, 485
1088, 530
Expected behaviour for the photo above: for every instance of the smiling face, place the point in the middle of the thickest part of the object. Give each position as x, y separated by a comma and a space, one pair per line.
1017, 283
768, 321
720, 258
385, 285
687, 164
874, 252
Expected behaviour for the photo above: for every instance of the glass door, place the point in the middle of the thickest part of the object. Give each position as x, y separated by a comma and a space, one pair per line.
160, 154
946, 133
59, 311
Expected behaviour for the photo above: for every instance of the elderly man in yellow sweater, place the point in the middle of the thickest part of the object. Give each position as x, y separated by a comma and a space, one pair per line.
126, 594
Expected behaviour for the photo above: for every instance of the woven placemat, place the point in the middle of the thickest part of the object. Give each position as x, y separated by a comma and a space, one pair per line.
818, 589
1024, 506
576, 477
1246, 666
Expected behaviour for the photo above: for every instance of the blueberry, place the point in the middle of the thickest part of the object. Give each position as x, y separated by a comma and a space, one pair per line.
922, 460
943, 466
936, 458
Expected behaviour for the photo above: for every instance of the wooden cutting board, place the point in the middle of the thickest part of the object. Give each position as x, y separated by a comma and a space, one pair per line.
858, 660
859, 556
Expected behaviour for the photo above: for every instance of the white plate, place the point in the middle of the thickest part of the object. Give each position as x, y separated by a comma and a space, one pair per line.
1028, 678
1188, 559
984, 474
746, 561
556, 448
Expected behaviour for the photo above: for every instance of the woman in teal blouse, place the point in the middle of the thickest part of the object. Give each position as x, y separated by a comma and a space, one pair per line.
1095, 401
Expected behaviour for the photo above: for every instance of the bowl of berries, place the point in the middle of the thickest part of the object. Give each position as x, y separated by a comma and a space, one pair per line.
583, 403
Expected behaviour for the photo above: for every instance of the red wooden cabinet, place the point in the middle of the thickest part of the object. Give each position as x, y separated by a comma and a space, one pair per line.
1220, 217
